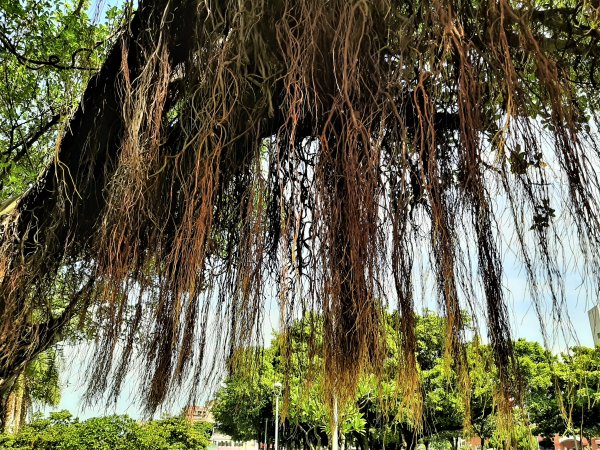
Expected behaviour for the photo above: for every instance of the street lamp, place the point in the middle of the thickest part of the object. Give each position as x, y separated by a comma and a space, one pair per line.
277, 391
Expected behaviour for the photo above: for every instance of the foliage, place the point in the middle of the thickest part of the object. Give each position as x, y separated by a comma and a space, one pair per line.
42, 378
519, 438
37, 385
377, 416
49, 50
564, 394
242, 407
559, 395
483, 383
173, 434
61, 431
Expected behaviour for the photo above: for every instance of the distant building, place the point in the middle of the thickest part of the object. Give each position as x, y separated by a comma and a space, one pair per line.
555, 443
594, 315
218, 441
196, 413
566, 443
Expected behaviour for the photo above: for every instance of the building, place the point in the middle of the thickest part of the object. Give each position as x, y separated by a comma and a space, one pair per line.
594, 316
218, 440
557, 442
566, 443
196, 413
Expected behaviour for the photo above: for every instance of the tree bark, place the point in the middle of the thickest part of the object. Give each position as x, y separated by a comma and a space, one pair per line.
364, 441
410, 438
14, 407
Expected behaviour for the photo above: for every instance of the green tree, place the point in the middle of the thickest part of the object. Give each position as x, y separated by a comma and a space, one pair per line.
559, 395
243, 406
581, 390
374, 419
173, 433
246, 404
483, 382
566, 395
520, 436
62, 431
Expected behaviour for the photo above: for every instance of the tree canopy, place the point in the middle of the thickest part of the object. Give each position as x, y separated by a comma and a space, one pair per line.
331, 151
560, 396
49, 51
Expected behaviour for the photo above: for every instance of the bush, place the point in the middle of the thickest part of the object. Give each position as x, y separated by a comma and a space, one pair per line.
61, 431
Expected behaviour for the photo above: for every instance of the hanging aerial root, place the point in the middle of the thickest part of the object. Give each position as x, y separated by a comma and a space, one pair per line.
310, 151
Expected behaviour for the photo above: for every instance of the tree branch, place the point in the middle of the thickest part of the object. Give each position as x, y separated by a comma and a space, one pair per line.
26, 144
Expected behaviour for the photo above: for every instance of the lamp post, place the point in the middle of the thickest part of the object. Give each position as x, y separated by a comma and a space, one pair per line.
335, 431
277, 390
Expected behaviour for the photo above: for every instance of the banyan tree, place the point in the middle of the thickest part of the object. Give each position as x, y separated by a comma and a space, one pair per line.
326, 155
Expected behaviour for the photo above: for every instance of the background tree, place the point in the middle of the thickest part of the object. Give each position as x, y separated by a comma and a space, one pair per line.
483, 382
244, 405
564, 396
519, 438
581, 391
559, 395
376, 418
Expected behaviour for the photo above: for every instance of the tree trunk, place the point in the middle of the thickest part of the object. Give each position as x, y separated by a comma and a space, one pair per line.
364, 441
410, 439
14, 407
9, 412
